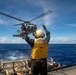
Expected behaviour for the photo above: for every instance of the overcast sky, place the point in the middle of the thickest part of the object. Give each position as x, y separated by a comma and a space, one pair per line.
61, 22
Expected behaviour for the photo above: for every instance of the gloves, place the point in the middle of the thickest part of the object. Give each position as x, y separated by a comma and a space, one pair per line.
47, 32
44, 27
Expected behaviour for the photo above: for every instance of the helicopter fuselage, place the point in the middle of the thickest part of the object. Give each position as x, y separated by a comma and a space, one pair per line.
26, 28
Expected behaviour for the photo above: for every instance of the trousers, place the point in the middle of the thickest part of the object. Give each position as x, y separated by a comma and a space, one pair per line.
39, 66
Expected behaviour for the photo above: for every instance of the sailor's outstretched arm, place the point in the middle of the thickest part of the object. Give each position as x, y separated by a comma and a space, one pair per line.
47, 33
28, 40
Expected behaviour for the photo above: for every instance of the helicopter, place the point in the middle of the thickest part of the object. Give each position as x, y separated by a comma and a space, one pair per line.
26, 27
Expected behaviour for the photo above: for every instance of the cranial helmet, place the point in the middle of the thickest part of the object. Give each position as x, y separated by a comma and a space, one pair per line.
39, 33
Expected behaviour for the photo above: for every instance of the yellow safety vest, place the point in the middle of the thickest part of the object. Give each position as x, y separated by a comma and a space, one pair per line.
40, 49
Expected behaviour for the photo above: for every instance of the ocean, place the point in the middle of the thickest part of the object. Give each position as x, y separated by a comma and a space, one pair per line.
61, 53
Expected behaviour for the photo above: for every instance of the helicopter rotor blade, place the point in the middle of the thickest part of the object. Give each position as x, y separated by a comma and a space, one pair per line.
12, 17
18, 24
22, 23
44, 14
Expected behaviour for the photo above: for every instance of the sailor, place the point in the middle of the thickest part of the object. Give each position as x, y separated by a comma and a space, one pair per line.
39, 51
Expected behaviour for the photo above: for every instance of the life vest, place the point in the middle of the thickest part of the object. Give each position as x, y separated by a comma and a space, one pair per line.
39, 49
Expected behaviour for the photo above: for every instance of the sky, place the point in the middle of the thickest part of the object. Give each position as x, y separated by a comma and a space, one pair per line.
61, 22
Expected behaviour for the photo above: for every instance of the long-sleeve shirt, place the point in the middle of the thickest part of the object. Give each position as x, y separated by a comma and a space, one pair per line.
31, 41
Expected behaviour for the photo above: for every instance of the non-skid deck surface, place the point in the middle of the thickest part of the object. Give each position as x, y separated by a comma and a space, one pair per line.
65, 71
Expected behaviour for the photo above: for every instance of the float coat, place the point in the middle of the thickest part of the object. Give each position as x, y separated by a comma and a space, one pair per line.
40, 49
